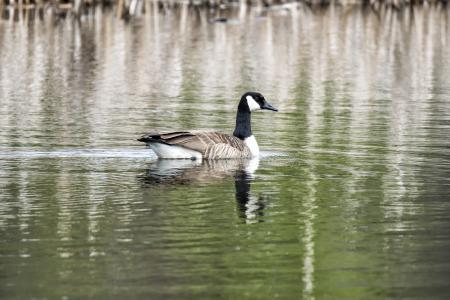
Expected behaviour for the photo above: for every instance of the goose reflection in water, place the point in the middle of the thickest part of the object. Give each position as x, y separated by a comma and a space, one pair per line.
250, 207
191, 172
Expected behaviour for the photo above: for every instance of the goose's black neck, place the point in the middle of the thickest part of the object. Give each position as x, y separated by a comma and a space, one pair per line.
243, 125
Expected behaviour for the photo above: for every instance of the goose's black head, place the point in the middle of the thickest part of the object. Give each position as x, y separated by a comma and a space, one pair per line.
252, 101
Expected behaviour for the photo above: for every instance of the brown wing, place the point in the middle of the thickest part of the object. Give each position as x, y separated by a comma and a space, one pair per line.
169, 138
209, 144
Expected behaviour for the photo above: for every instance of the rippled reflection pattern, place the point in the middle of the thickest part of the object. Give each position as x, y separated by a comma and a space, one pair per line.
350, 199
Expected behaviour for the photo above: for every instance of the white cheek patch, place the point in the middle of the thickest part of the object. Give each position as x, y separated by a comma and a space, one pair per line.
252, 104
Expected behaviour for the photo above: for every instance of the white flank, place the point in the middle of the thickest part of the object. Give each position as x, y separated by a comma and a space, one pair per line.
252, 145
252, 104
167, 151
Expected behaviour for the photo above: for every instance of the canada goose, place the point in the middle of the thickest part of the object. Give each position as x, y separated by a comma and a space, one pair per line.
212, 145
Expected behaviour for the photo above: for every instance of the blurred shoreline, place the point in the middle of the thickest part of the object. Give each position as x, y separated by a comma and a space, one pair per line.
217, 9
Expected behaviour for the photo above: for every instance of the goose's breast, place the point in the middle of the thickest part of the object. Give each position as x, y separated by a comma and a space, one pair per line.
252, 145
